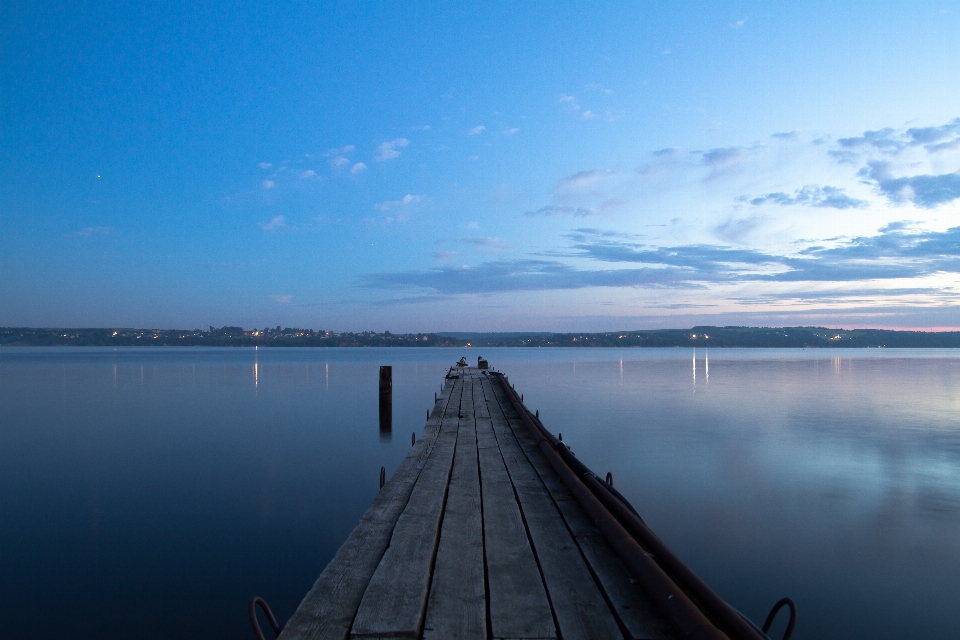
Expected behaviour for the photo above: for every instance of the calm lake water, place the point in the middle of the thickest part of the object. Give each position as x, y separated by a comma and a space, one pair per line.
151, 492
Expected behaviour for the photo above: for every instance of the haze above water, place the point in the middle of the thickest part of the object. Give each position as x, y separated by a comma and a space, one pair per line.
152, 492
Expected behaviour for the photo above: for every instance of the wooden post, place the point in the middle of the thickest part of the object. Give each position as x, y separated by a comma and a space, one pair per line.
386, 402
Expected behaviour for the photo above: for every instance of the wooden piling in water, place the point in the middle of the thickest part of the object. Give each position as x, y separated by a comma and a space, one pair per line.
386, 401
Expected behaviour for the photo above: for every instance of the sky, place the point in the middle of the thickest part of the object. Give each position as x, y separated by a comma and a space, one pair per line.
563, 166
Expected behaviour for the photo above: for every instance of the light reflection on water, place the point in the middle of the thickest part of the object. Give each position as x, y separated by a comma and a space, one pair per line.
158, 489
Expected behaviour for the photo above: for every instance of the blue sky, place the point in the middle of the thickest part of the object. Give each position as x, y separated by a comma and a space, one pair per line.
496, 166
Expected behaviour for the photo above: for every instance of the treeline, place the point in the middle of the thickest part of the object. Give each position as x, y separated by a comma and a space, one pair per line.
757, 337
762, 337
222, 337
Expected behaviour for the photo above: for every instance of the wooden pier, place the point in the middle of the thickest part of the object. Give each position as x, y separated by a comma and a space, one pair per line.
476, 536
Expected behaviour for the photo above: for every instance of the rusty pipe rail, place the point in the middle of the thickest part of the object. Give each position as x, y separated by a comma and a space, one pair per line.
667, 580
686, 616
252, 613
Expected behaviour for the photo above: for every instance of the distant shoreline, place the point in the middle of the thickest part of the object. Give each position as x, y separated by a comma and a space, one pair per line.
701, 336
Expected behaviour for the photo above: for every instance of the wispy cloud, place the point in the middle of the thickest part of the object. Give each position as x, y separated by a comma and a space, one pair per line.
339, 151
393, 204
510, 131
669, 152
93, 231
925, 191
570, 102
814, 196
309, 173
391, 149
785, 135
584, 179
724, 156
517, 275
598, 87
265, 165
358, 168
895, 252
737, 230
282, 299
475, 131
277, 222
487, 241
891, 141
562, 210
268, 184
338, 161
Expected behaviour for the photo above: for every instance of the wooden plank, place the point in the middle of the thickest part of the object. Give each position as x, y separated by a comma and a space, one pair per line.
518, 603
578, 604
328, 609
394, 602
457, 607
636, 613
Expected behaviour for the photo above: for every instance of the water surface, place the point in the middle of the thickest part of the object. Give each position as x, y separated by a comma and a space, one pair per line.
156, 490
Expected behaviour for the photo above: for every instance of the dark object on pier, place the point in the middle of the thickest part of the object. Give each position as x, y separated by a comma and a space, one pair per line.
481, 363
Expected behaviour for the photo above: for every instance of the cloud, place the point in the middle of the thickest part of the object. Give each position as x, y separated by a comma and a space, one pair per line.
93, 231
927, 191
338, 161
230, 266
478, 242
588, 115
561, 210
518, 275
739, 23
930, 135
282, 299
884, 139
309, 173
445, 255
475, 131
891, 141
670, 152
583, 179
268, 184
510, 131
895, 252
785, 135
265, 165
598, 87
724, 156
814, 196
570, 101
736, 230
358, 168
392, 204
390, 150
339, 151
473, 225
278, 222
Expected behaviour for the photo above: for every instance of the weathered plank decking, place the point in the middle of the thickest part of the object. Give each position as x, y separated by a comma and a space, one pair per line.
475, 536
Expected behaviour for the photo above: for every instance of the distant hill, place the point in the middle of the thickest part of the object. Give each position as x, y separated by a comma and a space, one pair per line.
718, 337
